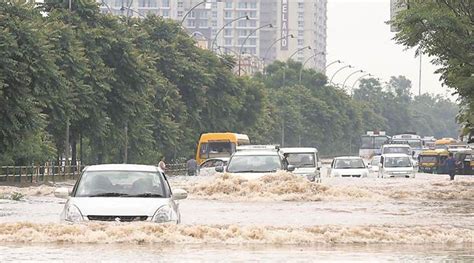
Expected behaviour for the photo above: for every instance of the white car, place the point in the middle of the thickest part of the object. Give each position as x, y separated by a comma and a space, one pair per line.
396, 165
208, 167
122, 193
305, 160
397, 148
374, 164
255, 163
348, 166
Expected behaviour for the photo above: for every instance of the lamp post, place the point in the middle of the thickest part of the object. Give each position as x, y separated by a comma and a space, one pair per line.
300, 49
306, 61
190, 10
334, 62
123, 8
339, 70
357, 80
286, 64
350, 75
270, 47
245, 40
222, 28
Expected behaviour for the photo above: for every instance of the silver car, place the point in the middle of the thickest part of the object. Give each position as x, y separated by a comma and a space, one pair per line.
122, 193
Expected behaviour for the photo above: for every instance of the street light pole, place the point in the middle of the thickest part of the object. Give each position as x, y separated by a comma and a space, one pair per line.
300, 49
190, 10
306, 61
334, 62
339, 70
270, 47
222, 28
245, 40
286, 64
350, 75
357, 80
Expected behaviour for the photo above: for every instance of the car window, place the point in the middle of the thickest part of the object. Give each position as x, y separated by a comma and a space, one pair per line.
300, 160
349, 164
397, 162
121, 183
207, 164
254, 163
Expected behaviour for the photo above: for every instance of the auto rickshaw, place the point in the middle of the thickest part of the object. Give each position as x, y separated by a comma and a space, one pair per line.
466, 160
432, 161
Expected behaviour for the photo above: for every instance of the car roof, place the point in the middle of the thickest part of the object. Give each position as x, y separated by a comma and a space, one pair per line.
298, 150
348, 157
396, 145
395, 155
255, 152
122, 167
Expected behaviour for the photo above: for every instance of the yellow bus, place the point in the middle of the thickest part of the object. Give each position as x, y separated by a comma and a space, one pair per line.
444, 142
213, 145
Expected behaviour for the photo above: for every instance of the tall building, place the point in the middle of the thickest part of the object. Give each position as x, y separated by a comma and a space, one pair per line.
295, 24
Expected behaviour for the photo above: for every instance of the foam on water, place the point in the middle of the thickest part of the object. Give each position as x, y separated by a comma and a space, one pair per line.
142, 233
42, 190
289, 187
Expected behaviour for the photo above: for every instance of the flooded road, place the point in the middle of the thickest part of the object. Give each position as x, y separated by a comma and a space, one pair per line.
276, 218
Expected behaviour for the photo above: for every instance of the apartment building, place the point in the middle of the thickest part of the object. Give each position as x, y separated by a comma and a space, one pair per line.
295, 24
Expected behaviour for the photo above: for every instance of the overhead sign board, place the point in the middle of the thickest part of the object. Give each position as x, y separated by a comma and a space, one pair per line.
284, 25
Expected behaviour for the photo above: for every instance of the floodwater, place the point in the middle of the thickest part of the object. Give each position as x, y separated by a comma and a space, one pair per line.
276, 218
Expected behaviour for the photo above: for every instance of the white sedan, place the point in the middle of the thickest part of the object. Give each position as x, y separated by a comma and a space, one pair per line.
122, 193
348, 166
208, 167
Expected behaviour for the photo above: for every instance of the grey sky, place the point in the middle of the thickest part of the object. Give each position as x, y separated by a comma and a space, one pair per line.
358, 36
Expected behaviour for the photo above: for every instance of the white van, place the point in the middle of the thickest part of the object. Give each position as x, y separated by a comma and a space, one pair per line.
397, 148
396, 165
305, 160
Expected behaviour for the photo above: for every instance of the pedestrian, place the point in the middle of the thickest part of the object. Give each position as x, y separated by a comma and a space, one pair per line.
285, 161
191, 166
162, 164
450, 165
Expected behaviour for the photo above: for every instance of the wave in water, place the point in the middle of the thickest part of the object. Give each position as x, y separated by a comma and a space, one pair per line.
141, 233
288, 187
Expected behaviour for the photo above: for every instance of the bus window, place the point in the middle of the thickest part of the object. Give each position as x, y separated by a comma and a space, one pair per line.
216, 149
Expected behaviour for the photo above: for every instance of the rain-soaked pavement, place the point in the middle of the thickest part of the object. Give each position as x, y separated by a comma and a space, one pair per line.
427, 218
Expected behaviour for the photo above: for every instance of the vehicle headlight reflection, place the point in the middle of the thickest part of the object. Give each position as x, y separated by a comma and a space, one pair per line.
163, 214
73, 214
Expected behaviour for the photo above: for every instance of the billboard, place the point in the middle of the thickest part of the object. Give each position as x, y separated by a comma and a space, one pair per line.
284, 25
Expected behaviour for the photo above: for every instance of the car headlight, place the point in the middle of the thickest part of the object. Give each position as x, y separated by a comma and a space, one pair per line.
73, 214
163, 214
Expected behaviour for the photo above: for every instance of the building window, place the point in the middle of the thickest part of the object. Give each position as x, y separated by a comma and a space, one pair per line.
203, 23
300, 23
166, 13
242, 23
252, 41
180, 13
243, 5
300, 33
192, 14
253, 5
214, 14
301, 5
300, 42
228, 41
253, 23
180, 4
214, 23
228, 4
166, 3
227, 14
300, 15
191, 23
227, 32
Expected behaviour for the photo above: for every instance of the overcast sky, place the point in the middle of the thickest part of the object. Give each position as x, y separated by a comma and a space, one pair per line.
358, 36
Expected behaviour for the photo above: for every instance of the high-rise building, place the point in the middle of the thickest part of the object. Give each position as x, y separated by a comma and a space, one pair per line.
295, 24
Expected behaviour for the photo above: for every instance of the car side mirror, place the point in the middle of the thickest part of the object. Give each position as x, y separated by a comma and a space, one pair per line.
290, 168
219, 169
179, 194
369, 166
62, 192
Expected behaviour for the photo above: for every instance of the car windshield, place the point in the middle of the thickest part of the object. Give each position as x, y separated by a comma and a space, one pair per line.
375, 161
254, 163
397, 161
427, 159
404, 150
120, 184
300, 160
349, 164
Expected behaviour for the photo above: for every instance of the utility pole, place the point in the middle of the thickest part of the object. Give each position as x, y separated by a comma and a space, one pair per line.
419, 77
282, 132
66, 142
125, 150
